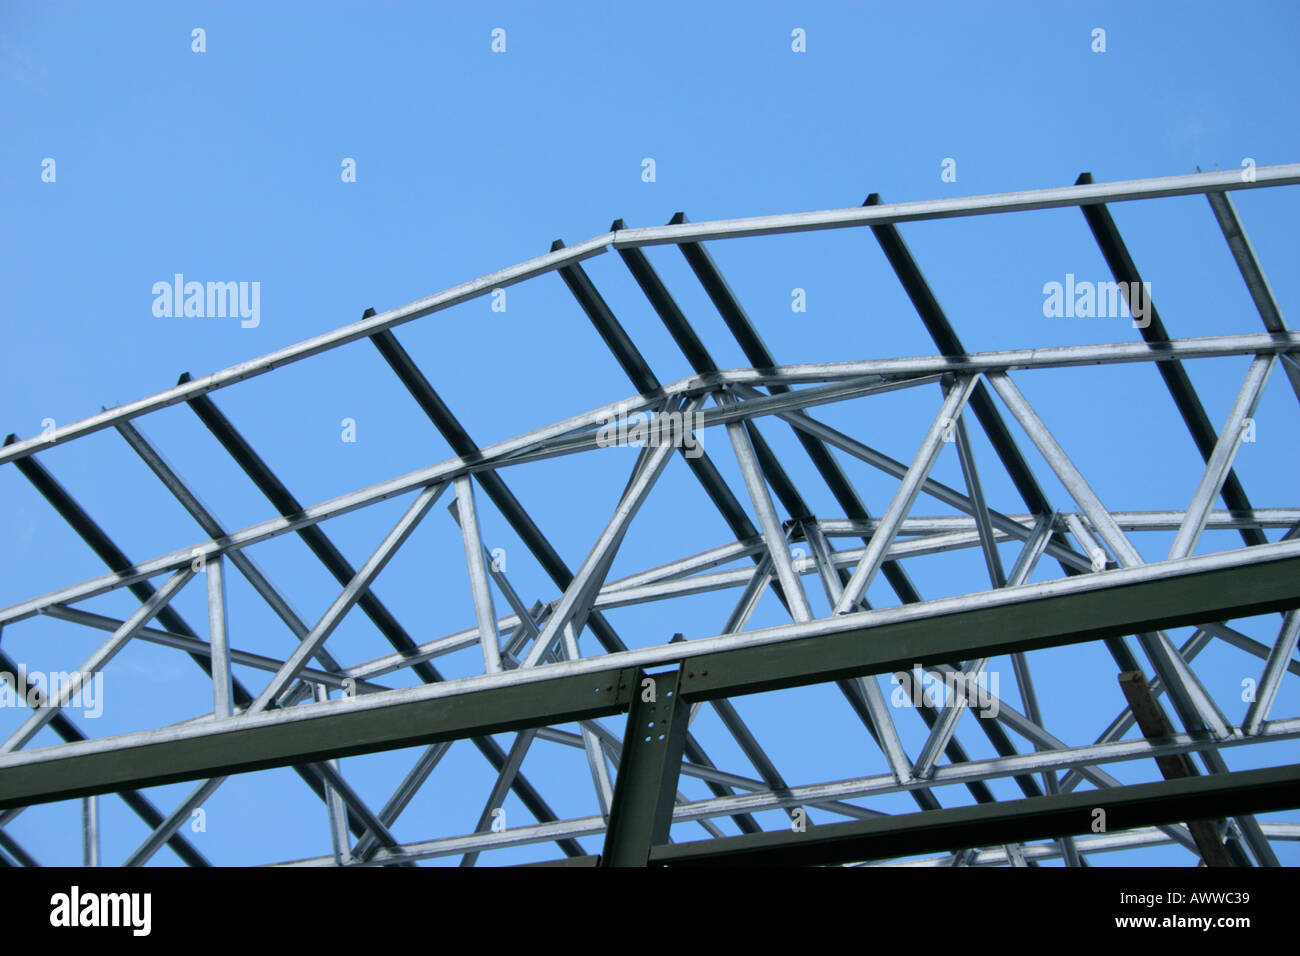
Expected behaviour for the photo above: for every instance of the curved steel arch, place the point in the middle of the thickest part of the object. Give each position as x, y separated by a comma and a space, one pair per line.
315, 708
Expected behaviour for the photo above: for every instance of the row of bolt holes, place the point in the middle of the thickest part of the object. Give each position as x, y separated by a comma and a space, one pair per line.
652, 723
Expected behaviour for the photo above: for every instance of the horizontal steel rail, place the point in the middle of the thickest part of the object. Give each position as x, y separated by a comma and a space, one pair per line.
1034, 818
1167, 594
809, 795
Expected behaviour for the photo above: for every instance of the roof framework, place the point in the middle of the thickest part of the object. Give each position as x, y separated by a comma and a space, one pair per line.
311, 708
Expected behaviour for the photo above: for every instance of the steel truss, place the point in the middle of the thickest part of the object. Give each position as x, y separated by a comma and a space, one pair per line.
313, 709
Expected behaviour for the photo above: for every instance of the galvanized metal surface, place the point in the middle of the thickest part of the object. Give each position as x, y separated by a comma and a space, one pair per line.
534, 680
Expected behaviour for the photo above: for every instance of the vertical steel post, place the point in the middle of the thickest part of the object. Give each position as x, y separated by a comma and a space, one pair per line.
646, 786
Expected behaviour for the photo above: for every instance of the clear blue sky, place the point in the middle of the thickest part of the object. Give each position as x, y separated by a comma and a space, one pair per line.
226, 165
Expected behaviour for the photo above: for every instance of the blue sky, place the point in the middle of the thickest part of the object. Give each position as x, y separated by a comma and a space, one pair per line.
226, 165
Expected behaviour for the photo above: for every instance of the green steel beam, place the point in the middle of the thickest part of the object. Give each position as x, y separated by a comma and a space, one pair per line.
966, 633
159, 758
973, 626
989, 824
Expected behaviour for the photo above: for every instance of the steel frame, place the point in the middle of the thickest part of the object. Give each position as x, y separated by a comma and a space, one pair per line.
535, 678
